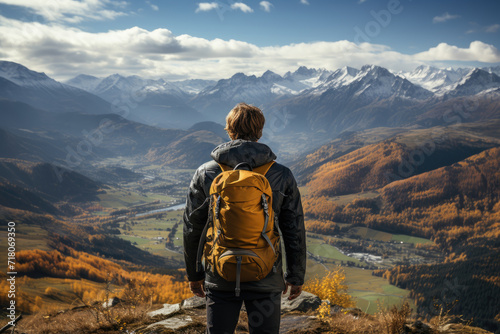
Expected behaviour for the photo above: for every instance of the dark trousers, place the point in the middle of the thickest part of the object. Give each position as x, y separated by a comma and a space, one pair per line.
223, 311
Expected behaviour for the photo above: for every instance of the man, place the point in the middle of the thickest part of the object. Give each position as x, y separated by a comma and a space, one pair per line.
244, 125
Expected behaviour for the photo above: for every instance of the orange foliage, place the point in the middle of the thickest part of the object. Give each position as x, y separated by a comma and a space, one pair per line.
321, 208
449, 205
77, 265
357, 171
332, 288
321, 227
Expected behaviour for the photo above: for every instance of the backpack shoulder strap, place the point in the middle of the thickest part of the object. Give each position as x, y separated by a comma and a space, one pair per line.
224, 167
261, 169
264, 168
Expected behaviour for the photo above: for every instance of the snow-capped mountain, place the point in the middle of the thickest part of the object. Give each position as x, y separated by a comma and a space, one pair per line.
477, 81
378, 83
304, 78
115, 85
315, 99
218, 99
194, 86
293, 83
154, 102
495, 69
436, 80
341, 77
85, 82
371, 83
37, 89
22, 76
353, 99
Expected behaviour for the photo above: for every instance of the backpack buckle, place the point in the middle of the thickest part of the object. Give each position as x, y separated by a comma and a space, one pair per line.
264, 202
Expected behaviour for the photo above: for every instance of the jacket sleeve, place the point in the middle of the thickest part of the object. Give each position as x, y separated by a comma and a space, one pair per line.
291, 223
194, 219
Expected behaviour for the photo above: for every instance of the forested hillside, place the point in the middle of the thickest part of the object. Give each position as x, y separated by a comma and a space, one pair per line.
375, 165
456, 206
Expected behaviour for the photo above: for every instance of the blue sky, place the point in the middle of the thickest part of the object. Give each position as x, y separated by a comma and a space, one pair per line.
178, 39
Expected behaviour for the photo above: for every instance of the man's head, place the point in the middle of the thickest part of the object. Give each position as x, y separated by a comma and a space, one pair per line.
245, 122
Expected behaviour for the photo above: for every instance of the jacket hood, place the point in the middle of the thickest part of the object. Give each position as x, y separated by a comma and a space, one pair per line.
237, 151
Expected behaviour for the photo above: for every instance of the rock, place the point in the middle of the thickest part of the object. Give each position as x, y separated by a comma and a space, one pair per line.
174, 322
418, 327
336, 309
456, 320
303, 303
193, 302
111, 302
299, 324
354, 311
461, 328
166, 310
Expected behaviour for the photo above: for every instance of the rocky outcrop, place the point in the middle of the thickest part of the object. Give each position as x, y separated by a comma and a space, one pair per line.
303, 303
191, 313
193, 302
166, 310
176, 322
418, 327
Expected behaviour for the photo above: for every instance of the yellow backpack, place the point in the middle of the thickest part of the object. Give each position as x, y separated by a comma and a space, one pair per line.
239, 240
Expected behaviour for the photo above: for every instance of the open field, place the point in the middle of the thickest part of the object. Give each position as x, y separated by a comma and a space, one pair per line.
159, 183
27, 237
368, 233
119, 198
346, 199
409, 239
151, 233
370, 292
319, 248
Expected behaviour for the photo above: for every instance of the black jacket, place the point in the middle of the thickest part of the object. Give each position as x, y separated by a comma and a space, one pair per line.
286, 205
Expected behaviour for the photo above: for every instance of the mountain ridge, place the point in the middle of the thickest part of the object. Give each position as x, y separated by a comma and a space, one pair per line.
316, 99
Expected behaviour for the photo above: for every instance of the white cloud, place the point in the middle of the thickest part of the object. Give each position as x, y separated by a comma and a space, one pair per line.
153, 6
70, 11
477, 51
445, 17
206, 6
63, 52
241, 6
493, 28
266, 5
304, 2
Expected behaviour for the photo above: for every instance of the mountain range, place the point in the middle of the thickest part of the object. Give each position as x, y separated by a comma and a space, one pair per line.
73, 140
321, 104
18, 83
305, 108
314, 99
